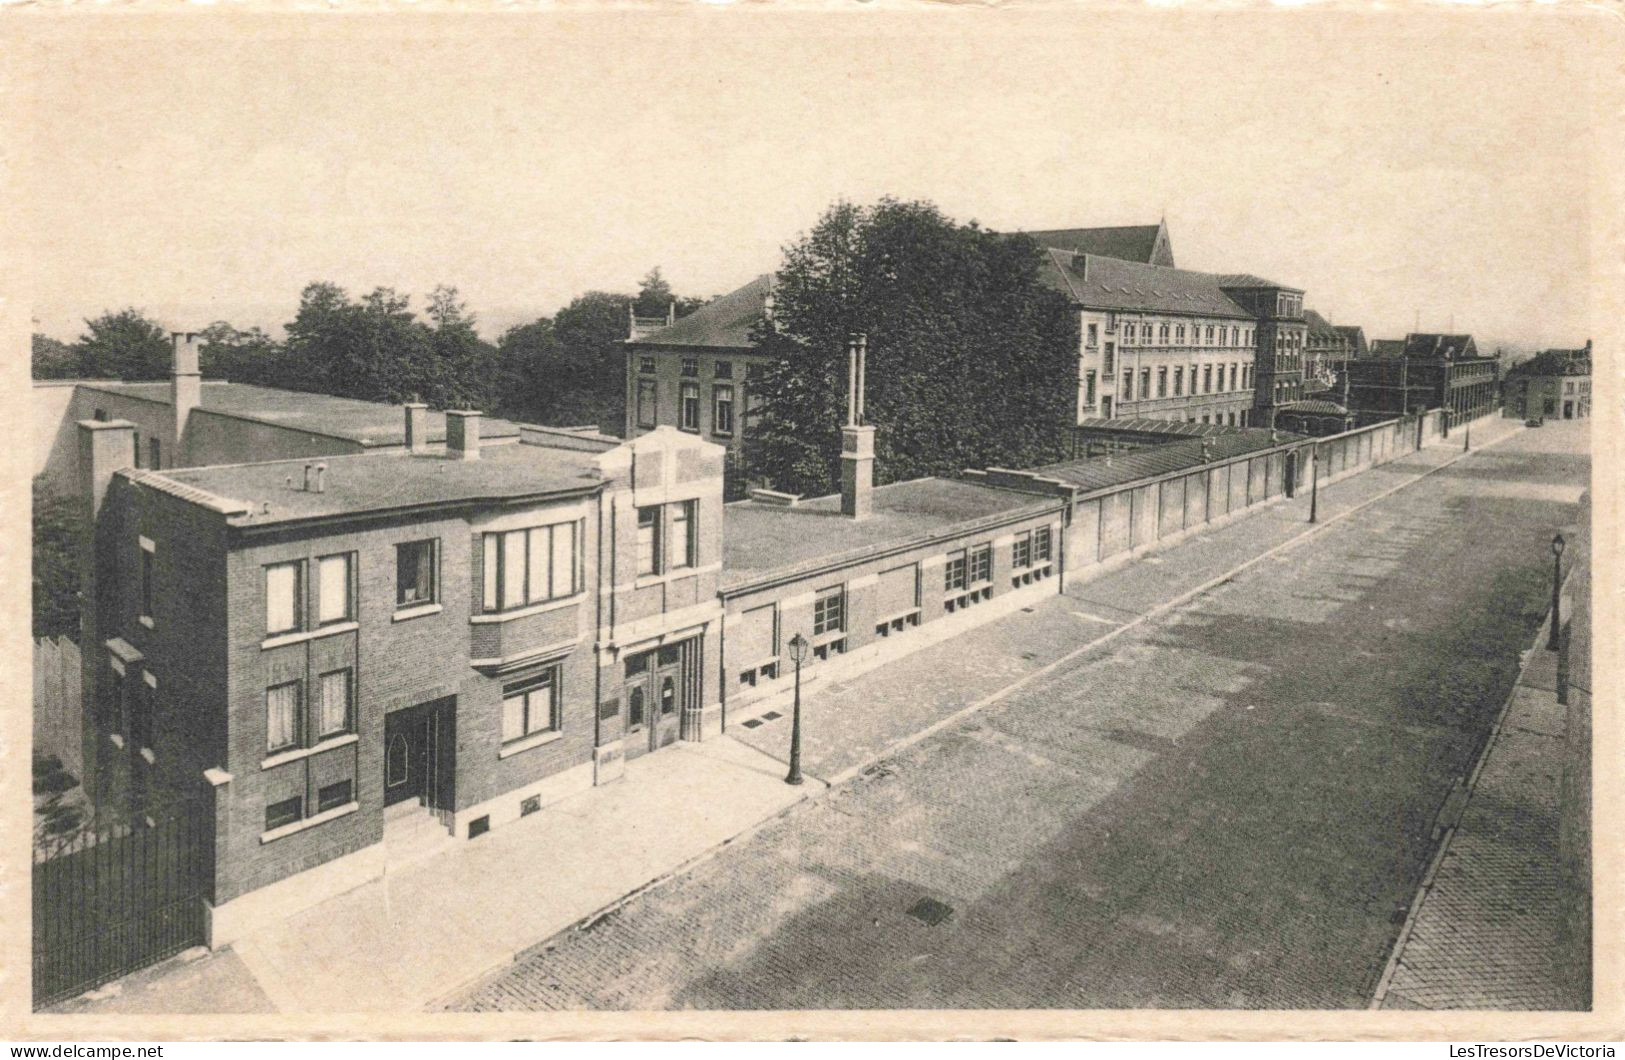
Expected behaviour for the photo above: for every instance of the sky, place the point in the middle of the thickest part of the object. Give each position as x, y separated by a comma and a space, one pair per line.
1432, 168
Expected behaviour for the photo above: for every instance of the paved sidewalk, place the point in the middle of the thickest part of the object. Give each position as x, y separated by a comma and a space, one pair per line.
848, 725
1488, 929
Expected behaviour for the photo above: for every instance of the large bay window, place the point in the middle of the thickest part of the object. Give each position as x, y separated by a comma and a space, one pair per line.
531, 566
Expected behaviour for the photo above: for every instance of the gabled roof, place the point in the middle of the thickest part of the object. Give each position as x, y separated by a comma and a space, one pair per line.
724, 322
1147, 244
1386, 348
1246, 281
1313, 408
1433, 344
1356, 335
1321, 329
1554, 362
1096, 282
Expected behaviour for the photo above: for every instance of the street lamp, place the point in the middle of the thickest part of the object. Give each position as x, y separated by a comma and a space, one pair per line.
1557, 577
1467, 438
798, 654
1314, 482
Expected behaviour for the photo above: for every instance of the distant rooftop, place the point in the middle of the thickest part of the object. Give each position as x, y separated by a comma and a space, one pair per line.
722, 322
1173, 428
766, 540
368, 423
1147, 244
376, 482
1103, 472
1107, 283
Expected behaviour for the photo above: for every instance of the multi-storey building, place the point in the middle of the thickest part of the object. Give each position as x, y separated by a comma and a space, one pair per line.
1429, 371
1326, 347
1554, 383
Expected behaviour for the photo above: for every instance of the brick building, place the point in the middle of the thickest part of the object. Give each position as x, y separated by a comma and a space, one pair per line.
365, 655
1327, 347
1555, 383
1429, 371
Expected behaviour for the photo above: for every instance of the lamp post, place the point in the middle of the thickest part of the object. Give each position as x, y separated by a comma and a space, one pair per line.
1467, 437
1314, 483
1557, 579
798, 654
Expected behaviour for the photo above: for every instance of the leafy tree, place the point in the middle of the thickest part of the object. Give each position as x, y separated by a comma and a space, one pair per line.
249, 356
58, 523
591, 380
463, 362
528, 372
123, 345
970, 355
374, 349
53, 359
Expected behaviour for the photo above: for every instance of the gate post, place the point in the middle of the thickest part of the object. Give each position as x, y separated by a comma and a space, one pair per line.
219, 804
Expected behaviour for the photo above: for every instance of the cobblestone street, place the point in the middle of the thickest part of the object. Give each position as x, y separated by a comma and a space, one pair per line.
1228, 805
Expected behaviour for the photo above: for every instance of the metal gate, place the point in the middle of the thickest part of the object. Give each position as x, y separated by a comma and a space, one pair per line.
119, 897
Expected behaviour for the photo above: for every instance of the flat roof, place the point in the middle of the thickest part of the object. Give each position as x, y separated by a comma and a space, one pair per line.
369, 423
762, 541
1102, 472
376, 482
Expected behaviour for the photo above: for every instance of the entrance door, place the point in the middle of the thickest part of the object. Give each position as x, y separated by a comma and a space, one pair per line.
656, 692
409, 745
1568, 410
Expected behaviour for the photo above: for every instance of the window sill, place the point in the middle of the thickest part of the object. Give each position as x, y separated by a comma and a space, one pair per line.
527, 610
821, 639
284, 757
529, 742
299, 636
643, 581
415, 611
146, 620
310, 822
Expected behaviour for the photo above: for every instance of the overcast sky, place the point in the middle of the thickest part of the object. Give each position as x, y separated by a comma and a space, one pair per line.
1389, 166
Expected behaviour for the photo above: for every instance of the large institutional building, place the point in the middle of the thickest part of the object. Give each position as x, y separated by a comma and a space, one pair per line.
1155, 342
1555, 383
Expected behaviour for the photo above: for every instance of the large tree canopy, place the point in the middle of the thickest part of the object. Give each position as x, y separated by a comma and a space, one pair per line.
971, 358
123, 345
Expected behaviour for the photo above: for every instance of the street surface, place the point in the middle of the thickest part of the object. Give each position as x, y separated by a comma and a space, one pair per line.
1228, 805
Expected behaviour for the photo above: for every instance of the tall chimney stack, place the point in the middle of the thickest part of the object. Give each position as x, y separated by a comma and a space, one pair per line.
185, 391
417, 427
105, 446
857, 439
463, 434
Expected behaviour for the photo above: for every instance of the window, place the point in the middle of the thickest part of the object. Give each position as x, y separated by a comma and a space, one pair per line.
690, 366
722, 409
415, 573
141, 701
953, 572
531, 706
333, 589
1041, 545
1179, 333
1162, 334
1207, 379
981, 564
1162, 382
1145, 383
153, 453
1233, 376
137, 449
1145, 333
146, 581
332, 796
1089, 389
283, 813
754, 371
1210, 334
724, 369
682, 535
1094, 335
829, 611
648, 402
1021, 553
688, 407
333, 713
1179, 380
1106, 358
282, 592
99, 415
282, 717
1128, 386
646, 365
530, 566
649, 540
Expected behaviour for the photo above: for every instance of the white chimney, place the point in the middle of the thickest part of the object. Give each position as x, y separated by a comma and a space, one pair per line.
417, 427
185, 392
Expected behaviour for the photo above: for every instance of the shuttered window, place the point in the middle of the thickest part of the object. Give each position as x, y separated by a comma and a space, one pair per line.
754, 642
898, 593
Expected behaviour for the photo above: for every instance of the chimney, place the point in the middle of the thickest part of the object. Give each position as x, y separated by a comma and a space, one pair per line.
185, 391
321, 478
417, 427
309, 484
857, 439
462, 434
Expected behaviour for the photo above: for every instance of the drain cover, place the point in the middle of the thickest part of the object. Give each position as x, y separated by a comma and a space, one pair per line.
772, 715
752, 723
930, 911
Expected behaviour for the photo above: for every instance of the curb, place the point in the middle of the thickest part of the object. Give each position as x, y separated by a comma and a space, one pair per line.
1466, 786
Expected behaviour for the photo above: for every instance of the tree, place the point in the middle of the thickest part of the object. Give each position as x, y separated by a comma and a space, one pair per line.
58, 523
124, 345
463, 362
374, 349
53, 359
528, 358
249, 356
970, 359
591, 382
